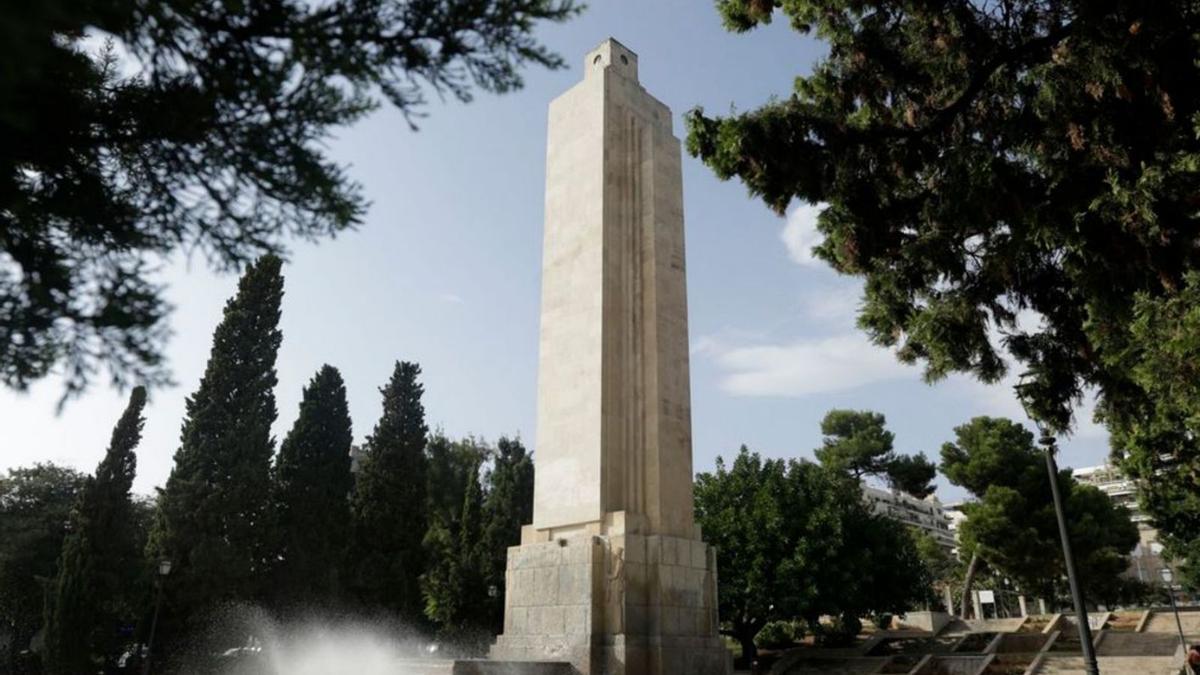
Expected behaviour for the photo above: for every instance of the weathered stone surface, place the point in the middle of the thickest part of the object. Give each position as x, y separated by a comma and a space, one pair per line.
612, 576
614, 410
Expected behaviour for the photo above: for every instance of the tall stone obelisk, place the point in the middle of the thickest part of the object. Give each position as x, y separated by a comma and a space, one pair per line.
612, 575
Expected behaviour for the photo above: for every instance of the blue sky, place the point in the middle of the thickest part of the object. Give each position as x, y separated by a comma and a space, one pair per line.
446, 271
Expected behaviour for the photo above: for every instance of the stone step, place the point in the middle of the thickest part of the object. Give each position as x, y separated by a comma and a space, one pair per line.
1164, 622
1111, 665
1137, 644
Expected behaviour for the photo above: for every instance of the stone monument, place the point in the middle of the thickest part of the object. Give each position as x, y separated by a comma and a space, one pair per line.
612, 575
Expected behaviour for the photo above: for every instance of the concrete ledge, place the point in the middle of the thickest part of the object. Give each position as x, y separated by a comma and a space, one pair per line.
1055, 619
927, 621
1141, 627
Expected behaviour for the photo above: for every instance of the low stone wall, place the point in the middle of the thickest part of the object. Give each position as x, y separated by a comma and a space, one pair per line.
997, 625
930, 621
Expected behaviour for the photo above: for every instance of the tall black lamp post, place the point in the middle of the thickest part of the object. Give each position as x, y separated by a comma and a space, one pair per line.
164, 568
1081, 617
1168, 577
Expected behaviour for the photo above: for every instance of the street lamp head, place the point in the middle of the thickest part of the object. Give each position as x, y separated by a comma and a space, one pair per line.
1046, 438
164, 567
1168, 575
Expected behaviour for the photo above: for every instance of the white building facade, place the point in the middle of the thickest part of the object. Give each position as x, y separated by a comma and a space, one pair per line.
927, 514
1146, 561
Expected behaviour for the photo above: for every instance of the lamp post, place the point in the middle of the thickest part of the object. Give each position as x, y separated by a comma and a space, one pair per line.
1168, 577
164, 568
1081, 617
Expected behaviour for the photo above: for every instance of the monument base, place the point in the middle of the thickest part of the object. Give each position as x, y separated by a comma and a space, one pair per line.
613, 601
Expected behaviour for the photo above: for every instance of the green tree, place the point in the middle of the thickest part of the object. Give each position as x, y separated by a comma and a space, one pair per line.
940, 568
1156, 444
35, 510
201, 126
858, 442
1012, 525
455, 580
312, 495
214, 513
507, 507
389, 511
93, 593
1017, 170
448, 466
796, 540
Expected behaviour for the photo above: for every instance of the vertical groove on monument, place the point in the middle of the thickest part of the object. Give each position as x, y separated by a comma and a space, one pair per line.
612, 575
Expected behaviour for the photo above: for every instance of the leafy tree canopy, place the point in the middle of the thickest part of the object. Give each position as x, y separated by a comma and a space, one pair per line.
858, 442
137, 129
1016, 183
449, 463
1157, 443
467, 564
35, 509
795, 540
1012, 525
980, 160
941, 569
455, 580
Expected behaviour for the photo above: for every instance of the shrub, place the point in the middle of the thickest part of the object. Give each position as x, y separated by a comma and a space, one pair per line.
779, 635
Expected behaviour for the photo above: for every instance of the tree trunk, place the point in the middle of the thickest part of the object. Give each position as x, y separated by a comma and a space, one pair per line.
749, 649
745, 635
968, 579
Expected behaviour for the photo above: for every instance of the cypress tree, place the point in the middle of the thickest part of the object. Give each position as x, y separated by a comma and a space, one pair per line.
455, 581
100, 557
389, 505
213, 518
312, 490
508, 506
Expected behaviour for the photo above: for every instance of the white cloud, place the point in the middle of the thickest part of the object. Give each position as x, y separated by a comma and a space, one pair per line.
451, 298
835, 307
803, 367
800, 234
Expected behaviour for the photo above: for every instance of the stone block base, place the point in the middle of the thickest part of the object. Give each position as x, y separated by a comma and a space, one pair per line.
662, 656
616, 604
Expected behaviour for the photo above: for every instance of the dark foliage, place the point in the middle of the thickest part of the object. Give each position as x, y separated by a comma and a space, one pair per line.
795, 540
858, 442
214, 520
35, 510
389, 511
1013, 527
312, 497
199, 126
94, 594
1016, 183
